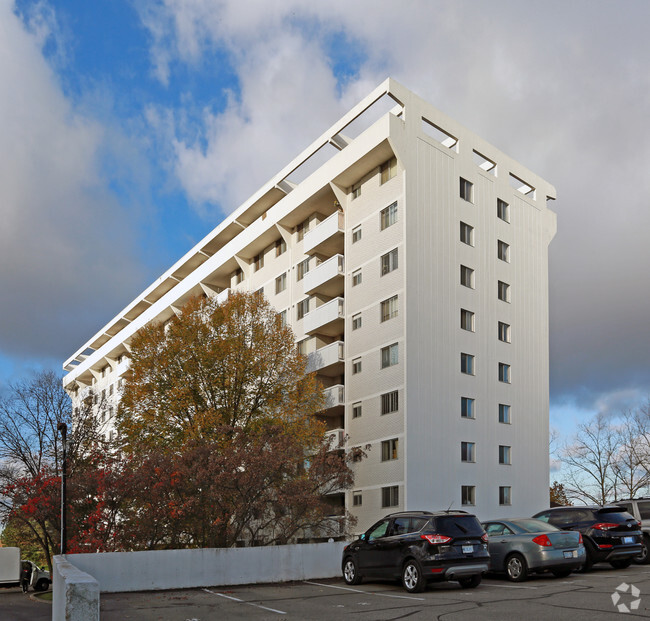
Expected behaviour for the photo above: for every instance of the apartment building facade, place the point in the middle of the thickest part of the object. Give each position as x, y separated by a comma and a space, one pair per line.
410, 258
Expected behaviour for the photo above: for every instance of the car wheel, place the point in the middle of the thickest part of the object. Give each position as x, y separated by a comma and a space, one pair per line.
471, 582
644, 557
561, 573
412, 577
516, 568
590, 558
622, 563
42, 585
350, 572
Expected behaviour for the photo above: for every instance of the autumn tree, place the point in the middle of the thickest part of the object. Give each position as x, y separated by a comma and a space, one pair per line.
221, 420
558, 495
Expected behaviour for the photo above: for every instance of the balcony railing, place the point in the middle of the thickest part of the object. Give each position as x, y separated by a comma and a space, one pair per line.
327, 237
336, 438
328, 358
326, 319
327, 278
334, 396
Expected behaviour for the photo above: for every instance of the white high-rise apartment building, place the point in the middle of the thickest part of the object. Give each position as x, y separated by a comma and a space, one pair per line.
410, 258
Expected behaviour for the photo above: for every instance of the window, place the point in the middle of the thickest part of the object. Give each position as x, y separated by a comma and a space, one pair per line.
104, 371
505, 495
389, 356
467, 407
283, 318
356, 410
388, 309
467, 494
110, 413
503, 291
389, 450
388, 170
504, 413
389, 402
301, 269
356, 234
467, 451
504, 372
504, 332
302, 308
504, 455
104, 394
356, 321
302, 347
466, 320
388, 216
356, 366
110, 390
467, 234
503, 210
280, 247
357, 499
281, 283
301, 229
467, 276
390, 496
503, 251
389, 262
467, 364
238, 276
466, 190
356, 278
259, 261
356, 191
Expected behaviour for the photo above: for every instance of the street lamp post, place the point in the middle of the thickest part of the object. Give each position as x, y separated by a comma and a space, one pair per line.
63, 428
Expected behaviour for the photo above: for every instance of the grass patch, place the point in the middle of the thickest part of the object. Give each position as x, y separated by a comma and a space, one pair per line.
44, 597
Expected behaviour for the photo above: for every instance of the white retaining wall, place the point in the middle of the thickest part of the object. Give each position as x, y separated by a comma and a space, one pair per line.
185, 569
75, 593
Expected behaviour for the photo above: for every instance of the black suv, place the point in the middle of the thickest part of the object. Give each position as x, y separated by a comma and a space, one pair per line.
420, 547
609, 533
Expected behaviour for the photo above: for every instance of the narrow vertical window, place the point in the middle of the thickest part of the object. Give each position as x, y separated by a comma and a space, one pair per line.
357, 499
388, 309
503, 210
504, 455
356, 410
356, 234
356, 278
389, 449
281, 283
356, 191
504, 413
389, 402
301, 269
356, 321
503, 251
388, 262
467, 234
504, 332
467, 276
467, 407
466, 190
467, 451
356, 366
503, 291
280, 247
505, 495
466, 320
504, 372
389, 356
388, 216
390, 496
467, 364
468, 494
388, 170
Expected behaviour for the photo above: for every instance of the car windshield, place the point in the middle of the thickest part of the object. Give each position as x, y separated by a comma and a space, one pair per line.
533, 526
459, 525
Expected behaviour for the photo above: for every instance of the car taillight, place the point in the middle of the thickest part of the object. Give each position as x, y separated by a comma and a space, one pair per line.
638, 524
484, 538
604, 526
436, 539
543, 540
580, 538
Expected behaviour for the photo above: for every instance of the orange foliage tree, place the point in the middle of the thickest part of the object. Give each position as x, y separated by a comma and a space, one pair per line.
218, 418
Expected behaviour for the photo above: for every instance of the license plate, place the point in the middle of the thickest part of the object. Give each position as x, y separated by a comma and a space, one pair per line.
468, 549
570, 553
628, 539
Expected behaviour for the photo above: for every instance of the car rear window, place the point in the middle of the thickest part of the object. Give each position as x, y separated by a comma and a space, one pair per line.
534, 526
614, 515
458, 525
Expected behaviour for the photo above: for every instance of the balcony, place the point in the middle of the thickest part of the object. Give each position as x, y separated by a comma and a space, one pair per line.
328, 278
334, 396
336, 438
328, 360
326, 319
86, 395
327, 237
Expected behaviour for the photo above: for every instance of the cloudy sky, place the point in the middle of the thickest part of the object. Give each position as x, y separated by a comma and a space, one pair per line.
129, 128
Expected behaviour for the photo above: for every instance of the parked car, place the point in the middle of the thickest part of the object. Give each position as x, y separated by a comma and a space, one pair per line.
522, 546
420, 547
639, 508
610, 534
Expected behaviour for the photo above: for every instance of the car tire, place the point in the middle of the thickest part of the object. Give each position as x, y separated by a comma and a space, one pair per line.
413, 577
644, 557
516, 568
622, 563
561, 573
42, 585
470, 582
351, 573
590, 557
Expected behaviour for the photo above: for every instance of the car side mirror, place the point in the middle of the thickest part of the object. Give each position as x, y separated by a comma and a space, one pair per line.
362, 537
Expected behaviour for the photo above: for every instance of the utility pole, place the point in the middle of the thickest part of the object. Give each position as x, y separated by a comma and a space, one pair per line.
63, 428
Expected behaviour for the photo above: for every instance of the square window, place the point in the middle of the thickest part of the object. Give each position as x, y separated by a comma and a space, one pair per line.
468, 494
504, 455
467, 364
388, 170
389, 402
356, 366
388, 309
466, 190
505, 495
357, 499
467, 407
503, 210
389, 262
504, 372
390, 496
280, 247
301, 269
467, 451
356, 278
503, 251
504, 332
503, 291
356, 410
466, 320
388, 216
281, 283
356, 234
467, 276
302, 308
356, 321
389, 356
356, 191
389, 450
504, 413
467, 234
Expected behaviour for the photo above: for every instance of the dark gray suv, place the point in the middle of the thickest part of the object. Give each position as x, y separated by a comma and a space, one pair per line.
420, 547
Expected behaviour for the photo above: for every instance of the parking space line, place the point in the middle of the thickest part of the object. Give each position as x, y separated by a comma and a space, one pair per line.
509, 586
241, 601
332, 586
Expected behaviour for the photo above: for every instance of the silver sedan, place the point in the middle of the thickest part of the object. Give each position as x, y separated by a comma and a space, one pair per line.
522, 546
